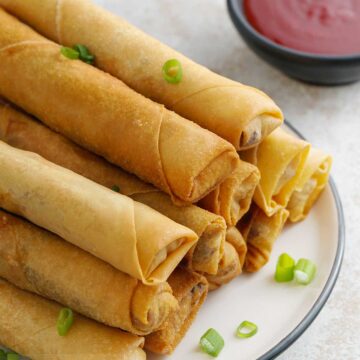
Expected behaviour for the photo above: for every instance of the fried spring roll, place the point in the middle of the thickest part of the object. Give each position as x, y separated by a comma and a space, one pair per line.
230, 267
28, 326
280, 158
260, 232
240, 114
129, 235
234, 237
102, 114
232, 198
206, 254
19, 130
311, 183
33, 259
190, 289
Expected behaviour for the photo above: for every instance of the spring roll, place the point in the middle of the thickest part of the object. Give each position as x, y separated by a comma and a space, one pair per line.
240, 114
232, 198
86, 284
206, 254
28, 326
310, 185
128, 235
229, 268
234, 237
260, 232
280, 158
19, 130
190, 289
102, 114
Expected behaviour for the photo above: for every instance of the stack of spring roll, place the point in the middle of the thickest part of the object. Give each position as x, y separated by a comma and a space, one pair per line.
124, 209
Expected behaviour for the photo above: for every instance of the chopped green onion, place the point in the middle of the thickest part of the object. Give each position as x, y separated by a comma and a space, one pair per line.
84, 54
172, 71
12, 356
70, 53
65, 321
212, 342
284, 268
115, 188
304, 271
2, 355
246, 329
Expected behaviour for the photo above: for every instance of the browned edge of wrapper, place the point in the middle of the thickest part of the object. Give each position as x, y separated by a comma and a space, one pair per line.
217, 170
260, 232
230, 267
232, 198
190, 289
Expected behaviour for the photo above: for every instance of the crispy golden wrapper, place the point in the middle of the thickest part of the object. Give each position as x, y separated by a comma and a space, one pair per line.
240, 114
260, 232
28, 326
280, 158
310, 185
190, 289
38, 261
232, 198
21, 131
102, 114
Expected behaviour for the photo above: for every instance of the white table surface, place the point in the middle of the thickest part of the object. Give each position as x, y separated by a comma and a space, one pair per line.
328, 117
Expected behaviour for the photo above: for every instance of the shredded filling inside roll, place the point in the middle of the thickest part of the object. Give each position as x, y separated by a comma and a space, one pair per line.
177, 321
162, 255
229, 268
190, 290
287, 175
208, 250
300, 198
151, 305
241, 200
257, 129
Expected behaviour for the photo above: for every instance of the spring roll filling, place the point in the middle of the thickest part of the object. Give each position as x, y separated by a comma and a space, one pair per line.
256, 130
288, 174
241, 199
163, 254
209, 250
190, 296
299, 199
302, 200
147, 315
186, 305
229, 268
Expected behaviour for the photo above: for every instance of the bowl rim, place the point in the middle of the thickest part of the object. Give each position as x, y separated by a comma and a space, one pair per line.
236, 10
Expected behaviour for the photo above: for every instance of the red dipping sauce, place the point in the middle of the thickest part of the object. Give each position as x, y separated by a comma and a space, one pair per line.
330, 27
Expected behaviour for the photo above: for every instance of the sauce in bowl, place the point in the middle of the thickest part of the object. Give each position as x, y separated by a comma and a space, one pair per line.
330, 27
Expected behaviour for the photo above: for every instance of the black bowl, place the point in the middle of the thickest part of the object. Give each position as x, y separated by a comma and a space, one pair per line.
312, 68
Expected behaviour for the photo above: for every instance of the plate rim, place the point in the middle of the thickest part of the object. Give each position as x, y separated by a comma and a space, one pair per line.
303, 325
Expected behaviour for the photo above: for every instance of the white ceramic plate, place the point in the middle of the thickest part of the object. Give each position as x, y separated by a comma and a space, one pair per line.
282, 311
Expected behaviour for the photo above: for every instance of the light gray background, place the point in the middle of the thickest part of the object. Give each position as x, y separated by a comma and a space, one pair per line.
328, 117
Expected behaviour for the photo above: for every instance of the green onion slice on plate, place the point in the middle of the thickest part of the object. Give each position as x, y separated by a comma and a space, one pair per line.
246, 329
285, 268
65, 321
305, 271
172, 71
70, 53
212, 342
